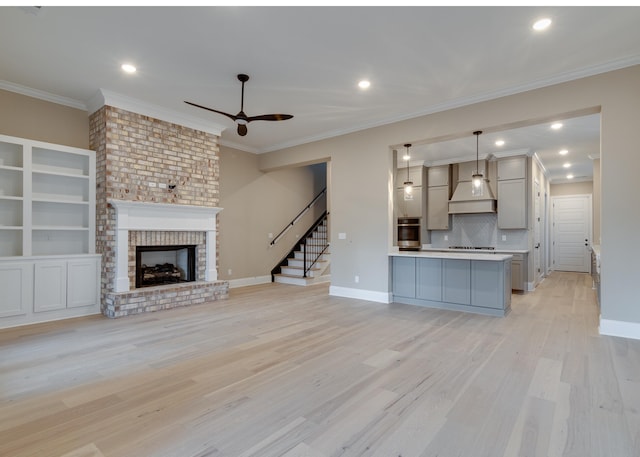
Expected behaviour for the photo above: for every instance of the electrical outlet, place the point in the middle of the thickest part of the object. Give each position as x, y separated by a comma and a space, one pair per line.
270, 235
229, 271
357, 279
446, 237
162, 185
342, 236
504, 237
152, 184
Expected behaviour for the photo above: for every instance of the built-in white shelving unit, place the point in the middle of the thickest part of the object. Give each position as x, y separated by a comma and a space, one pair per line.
47, 214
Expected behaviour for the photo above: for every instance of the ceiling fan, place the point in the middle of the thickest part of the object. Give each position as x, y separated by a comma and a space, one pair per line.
242, 119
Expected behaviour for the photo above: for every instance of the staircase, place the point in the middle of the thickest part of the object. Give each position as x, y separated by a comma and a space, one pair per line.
317, 271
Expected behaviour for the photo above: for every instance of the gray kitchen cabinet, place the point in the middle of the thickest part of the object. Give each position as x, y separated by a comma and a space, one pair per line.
456, 281
490, 284
512, 168
409, 208
404, 276
512, 193
438, 176
512, 204
518, 271
429, 279
438, 208
438, 194
415, 176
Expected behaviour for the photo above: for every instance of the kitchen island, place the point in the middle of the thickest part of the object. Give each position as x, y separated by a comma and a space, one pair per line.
460, 281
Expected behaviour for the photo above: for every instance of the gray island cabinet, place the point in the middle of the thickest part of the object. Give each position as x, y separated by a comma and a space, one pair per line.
477, 283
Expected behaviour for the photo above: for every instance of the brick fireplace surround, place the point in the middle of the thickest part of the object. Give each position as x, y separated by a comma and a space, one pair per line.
132, 151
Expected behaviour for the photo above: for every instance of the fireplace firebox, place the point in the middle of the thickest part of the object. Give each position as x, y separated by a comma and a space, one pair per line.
159, 265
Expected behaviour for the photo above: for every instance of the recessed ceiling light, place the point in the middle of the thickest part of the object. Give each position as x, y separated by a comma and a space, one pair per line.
364, 84
569, 176
566, 165
128, 68
542, 24
563, 152
500, 143
556, 126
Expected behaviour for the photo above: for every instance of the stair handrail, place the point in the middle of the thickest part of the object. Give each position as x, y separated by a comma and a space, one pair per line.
297, 218
300, 244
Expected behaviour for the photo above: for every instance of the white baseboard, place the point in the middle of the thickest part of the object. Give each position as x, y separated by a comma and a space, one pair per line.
620, 328
369, 295
251, 281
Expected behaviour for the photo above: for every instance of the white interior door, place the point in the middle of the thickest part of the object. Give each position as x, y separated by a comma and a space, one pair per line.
572, 233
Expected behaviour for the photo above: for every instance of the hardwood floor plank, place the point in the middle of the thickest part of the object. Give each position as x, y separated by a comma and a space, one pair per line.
279, 370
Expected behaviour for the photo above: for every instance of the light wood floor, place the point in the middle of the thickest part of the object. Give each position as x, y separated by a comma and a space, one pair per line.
280, 370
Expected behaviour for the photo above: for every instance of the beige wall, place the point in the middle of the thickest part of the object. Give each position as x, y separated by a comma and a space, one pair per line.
572, 188
362, 206
255, 204
28, 117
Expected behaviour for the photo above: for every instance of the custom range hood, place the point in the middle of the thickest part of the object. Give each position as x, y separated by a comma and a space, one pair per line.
463, 200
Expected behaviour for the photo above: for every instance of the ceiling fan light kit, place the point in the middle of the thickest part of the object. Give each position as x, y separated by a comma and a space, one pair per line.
241, 119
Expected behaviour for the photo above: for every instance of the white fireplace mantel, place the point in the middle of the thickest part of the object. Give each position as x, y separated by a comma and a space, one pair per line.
132, 215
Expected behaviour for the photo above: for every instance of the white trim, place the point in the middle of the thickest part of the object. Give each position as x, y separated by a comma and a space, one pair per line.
105, 97
132, 215
369, 295
250, 281
42, 95
620, 328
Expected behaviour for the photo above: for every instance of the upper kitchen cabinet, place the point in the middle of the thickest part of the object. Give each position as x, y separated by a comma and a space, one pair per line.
438, 194
512, 193
410, 207
415, 176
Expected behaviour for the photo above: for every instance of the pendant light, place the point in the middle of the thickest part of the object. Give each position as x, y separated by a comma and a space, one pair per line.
408, 185
477, 177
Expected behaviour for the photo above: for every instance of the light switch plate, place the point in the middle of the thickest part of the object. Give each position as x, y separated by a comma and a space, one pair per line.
342, 236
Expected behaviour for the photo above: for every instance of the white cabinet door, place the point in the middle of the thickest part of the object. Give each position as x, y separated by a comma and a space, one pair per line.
15, 287
50, 286
83, 280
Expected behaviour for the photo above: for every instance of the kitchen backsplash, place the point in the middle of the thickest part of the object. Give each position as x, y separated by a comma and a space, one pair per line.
478, 230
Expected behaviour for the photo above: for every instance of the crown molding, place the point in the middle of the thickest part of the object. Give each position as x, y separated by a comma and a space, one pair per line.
466, 101
512, 153
42, 95
104, 97
240, 147
545, 172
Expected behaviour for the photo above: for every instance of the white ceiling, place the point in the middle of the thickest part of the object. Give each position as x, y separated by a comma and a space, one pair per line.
306, 61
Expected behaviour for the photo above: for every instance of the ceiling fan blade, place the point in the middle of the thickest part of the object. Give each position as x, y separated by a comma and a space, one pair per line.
242, 129
270, 117
211, 109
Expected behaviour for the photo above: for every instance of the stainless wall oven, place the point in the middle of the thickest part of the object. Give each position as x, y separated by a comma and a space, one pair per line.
409, 233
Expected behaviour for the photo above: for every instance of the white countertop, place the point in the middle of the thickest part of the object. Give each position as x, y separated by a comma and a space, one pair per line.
452, 255
496, 251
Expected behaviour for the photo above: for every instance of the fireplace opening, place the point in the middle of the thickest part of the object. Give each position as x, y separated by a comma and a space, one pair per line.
158, 265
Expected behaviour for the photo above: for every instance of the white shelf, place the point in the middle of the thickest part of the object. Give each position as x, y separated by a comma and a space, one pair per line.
11, 153
59, 228
6, 167
47, 199
55, 173
52, 200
